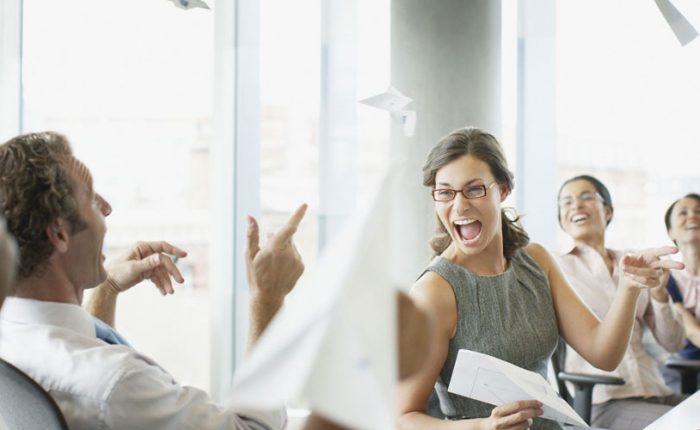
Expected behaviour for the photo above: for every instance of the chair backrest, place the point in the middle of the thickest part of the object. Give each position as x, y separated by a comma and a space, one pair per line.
558, 364
24, 404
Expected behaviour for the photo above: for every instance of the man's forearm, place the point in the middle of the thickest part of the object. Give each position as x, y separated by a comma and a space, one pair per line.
262, 311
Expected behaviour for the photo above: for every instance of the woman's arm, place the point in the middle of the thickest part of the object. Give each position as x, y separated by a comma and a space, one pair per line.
664, 322
433, 294
690, 324
601, 343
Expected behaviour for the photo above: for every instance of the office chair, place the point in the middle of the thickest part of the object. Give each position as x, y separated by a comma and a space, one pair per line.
688, 370
583, 383
24, 404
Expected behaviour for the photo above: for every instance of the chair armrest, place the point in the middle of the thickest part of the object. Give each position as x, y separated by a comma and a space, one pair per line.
586, 378
683, 364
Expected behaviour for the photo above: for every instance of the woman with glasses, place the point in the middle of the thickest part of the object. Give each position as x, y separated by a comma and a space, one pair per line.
683, 227
493, 292
592, 269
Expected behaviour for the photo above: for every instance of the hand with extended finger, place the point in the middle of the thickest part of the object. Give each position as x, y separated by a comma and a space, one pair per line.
513, 416
273, 270
147, 260
646, 269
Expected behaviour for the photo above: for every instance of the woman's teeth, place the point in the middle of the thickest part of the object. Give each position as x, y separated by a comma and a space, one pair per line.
464, 221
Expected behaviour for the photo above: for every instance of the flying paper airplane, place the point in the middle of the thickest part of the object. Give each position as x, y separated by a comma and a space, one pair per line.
394, 102
407, 119
333, 344
190, 4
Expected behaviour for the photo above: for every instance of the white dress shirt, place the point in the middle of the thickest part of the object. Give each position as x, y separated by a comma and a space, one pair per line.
101, 386
588, 274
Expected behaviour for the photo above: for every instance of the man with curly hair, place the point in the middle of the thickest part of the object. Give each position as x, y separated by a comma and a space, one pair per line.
58, 220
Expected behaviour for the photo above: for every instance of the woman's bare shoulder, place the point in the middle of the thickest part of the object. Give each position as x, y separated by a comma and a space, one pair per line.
434, 294
541, 255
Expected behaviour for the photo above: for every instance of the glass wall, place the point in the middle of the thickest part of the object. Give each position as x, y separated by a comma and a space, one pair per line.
298, 89
130, 84
627, 107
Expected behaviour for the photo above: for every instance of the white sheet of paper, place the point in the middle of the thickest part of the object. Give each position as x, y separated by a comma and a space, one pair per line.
333, 345
407, 119
190, 4
491, 380
391, 100
682, 28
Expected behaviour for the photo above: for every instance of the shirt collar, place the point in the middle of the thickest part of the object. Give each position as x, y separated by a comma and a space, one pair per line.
569, 248
29, 311
574, 248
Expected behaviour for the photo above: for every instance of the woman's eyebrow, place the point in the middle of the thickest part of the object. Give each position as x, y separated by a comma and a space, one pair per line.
445, 184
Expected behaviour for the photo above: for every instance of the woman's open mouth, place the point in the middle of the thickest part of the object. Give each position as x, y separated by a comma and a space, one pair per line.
468, 230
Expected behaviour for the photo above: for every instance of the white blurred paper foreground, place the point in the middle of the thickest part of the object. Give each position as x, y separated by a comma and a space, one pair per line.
333, 344
491, 380
394, 102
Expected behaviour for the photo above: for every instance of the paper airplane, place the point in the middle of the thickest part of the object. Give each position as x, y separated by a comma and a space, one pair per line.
333, 345
393, 101
390, 100
190, 4
682, 28
491, 380
407, 119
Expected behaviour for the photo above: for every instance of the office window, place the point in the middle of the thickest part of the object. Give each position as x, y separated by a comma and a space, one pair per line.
627, 110
130, 84
309, 73
138, 107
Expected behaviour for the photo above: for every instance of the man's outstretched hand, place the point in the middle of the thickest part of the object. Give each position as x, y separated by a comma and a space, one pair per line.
146, 260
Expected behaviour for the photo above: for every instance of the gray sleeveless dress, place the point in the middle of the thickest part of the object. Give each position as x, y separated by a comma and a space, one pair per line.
509, 316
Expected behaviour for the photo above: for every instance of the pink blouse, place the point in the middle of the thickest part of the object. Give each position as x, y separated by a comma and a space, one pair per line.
588, 275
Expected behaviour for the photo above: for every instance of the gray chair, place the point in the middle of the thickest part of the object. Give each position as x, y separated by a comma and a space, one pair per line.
688, 370
24, 404
583, 383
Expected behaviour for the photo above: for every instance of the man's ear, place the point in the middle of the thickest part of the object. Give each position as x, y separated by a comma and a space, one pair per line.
58, 232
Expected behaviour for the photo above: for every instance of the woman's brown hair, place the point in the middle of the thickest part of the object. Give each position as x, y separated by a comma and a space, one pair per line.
485, 147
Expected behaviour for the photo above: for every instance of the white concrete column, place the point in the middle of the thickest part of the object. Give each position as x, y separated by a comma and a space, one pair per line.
537, 173
445, 55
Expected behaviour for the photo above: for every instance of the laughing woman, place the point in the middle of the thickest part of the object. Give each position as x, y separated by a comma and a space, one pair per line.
492, 291
585, 210
683, 227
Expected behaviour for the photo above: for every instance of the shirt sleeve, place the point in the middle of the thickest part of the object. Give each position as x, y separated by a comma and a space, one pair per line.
666, 324
144, 396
